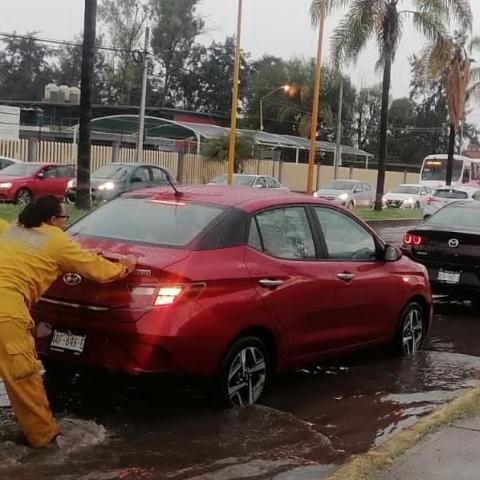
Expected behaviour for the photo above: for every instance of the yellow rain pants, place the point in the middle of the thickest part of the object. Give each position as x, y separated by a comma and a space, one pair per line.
30, 261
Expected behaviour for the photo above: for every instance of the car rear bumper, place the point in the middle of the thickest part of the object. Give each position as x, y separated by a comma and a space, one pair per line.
158, 342
468, 285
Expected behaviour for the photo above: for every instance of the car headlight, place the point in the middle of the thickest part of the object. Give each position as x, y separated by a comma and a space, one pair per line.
343, 196
409, 200
6, 185
107, 186
71, 184
315, 194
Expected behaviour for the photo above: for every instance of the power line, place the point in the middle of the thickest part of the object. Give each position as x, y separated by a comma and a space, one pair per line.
65, 43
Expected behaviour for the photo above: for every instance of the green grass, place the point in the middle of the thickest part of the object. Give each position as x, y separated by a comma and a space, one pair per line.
10, 212
389, 214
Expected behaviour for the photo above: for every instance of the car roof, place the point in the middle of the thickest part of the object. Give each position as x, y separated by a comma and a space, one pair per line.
131, 164
460, 189
409, 185
244, 198
14, 160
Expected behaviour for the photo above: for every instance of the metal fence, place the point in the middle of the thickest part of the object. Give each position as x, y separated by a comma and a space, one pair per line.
195, 169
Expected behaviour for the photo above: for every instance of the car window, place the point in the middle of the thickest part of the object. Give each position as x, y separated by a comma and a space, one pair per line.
159, 175
62, 172
261, 182
476, 196
271, 182
254, 239
424, 191
344, 237
286, 233
367, 187
50, 172
141, 174
451, 193
358, 188
168, 223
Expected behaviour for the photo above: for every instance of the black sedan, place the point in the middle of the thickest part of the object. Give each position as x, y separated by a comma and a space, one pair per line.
448, 244
115, 178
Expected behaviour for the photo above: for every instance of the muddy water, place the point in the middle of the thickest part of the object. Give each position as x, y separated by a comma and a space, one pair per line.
310, 420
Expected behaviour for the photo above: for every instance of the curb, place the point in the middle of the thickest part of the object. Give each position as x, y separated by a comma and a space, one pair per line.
382, 457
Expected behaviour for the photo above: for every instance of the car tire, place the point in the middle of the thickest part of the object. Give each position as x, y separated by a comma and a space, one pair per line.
350, 205
411, 330
236, 388
416, 206
23, 196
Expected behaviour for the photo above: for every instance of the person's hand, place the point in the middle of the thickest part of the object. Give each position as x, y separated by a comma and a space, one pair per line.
129, 262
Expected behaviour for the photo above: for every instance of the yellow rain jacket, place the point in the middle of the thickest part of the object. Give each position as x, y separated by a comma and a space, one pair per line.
3, 225
30, 261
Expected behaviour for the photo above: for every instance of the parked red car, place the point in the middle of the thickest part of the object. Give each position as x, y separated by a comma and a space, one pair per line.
22, 182
232, 285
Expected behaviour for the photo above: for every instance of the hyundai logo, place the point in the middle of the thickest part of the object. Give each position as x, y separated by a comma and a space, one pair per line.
454, 243
72, 279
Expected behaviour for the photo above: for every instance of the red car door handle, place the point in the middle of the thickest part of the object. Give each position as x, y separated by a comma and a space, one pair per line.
268, 283
346, 277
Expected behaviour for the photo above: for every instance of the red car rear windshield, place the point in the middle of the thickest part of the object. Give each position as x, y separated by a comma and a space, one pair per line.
169, 223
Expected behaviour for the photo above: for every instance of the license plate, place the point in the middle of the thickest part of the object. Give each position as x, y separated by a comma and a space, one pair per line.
62, 341
448, 277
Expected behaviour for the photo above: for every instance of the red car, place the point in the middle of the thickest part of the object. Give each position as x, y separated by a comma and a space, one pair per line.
22, 182
232, 285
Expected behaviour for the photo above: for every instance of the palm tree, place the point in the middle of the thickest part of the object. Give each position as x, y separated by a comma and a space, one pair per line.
384, 21
450, 59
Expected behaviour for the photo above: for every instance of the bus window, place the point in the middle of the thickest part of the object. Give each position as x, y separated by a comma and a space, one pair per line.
466, 175
475, 171
436, 169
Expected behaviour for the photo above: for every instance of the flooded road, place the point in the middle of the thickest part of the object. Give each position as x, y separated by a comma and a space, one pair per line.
309, 419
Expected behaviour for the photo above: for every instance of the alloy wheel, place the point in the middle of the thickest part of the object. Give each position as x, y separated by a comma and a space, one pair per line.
24, 197
247, 376
412, 334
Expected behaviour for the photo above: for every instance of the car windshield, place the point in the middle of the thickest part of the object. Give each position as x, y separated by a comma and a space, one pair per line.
451, 193
436, 169
169, 223
239, 180
112, 172
456, 217
20, 170
406, 189
340, 185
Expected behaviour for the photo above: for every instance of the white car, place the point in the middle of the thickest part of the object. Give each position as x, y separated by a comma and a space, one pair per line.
407, 196
6, 162
253, 181
446, 195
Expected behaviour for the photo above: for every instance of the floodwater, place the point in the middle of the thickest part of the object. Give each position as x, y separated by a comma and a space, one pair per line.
309, 421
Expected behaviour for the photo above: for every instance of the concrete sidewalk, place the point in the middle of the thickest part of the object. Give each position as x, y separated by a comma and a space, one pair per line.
452, 453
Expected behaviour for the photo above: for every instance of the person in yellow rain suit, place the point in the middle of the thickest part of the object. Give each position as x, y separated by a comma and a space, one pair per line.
33, 253
3, 225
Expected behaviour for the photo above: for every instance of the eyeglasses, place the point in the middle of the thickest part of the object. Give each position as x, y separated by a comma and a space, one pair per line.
65, 217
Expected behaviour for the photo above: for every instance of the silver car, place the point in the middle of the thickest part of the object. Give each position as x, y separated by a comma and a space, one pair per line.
446, 195
349, 193
253, 181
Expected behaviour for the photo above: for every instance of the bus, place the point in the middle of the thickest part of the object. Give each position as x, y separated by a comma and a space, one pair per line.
434, 170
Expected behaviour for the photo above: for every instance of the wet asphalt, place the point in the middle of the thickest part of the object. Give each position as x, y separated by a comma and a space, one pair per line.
310, 420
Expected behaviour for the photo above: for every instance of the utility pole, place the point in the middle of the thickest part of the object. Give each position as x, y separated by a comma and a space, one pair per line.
83, 200
141, 120
236, 80
316, 99
338, 148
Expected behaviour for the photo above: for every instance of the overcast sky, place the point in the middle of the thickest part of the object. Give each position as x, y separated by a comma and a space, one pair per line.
278, 27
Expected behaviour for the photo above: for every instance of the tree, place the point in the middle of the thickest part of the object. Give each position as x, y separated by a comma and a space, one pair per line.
125, 21
449, 58
67, 72
384, 20
367, 110
217, 150
176, 25
24, 68
206, 82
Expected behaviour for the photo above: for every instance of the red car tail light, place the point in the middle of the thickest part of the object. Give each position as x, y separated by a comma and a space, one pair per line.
413, 240
169, 294
431, 200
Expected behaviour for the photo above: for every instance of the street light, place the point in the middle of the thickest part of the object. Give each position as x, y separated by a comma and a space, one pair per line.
316, 100
236, 80
285, 88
